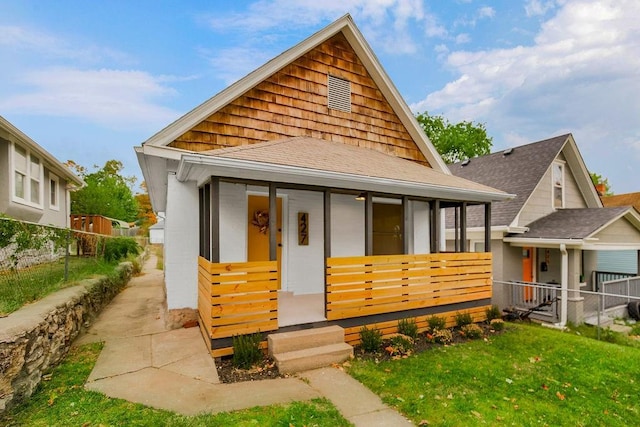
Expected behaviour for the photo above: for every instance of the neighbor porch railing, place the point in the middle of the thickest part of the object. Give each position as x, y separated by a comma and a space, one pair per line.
599, 277
368, 285
543, 299
237, 298
629, 287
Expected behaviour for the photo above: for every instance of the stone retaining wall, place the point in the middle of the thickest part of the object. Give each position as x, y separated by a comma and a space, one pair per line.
36, 337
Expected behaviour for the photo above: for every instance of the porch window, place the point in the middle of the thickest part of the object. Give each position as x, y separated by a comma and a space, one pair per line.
54, 192
27, 177
387, 229
558, 185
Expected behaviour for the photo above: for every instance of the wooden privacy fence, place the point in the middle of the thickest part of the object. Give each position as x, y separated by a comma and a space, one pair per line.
362, 286
237, 298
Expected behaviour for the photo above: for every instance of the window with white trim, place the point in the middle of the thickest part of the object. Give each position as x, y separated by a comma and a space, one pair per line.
558, 185
54, 192
27, 177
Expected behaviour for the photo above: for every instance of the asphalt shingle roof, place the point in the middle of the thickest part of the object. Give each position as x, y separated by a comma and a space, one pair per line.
628, 199
571, 223
318, 154
516, 173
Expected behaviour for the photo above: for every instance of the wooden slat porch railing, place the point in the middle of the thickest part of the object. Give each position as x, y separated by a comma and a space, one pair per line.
362, 286
237, 298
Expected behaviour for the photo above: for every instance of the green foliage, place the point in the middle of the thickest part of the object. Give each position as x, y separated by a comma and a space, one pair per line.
493, 312
63, 401
408, 327
118, 248
463, 319
246, 350
23, 236
497, 324
400, 345
371, 339
527, 376
455, 142
436, 322
598, 179
471, 331
440, 336
107, 193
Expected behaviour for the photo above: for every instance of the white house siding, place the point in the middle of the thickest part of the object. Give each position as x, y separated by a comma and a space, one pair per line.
554, 265
347, 226
181, 244
156, 236
305, 273
233, 222
59, 216
621, 231
421, 239
540, 202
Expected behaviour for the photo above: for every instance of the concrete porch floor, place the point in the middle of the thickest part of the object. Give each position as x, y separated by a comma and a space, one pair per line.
299, 309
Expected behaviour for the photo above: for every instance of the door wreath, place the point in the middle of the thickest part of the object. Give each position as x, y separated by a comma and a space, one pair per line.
261, 220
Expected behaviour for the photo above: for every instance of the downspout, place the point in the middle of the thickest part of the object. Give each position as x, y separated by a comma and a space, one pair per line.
564, 292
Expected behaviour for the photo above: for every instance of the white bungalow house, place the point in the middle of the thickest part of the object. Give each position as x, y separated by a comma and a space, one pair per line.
34, 185
306, 195
552, 231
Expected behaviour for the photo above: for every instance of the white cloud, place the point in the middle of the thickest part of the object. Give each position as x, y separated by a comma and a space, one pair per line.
111, 97
463, 38
580, 75
234, 63
537, 7
486, 12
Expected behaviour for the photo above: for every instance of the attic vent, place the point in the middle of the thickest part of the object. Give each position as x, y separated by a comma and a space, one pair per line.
339, 94
507, 151
465, 163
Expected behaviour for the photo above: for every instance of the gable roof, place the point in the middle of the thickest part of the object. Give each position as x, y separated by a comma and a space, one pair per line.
347, 27
50, 161
628, 199
519, 171
314, 161
572, 223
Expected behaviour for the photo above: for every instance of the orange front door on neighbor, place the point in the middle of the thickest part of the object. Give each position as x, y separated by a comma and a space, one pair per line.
527, 272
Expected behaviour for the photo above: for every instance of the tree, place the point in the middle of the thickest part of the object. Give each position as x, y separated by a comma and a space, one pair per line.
107, 192
146, 216
598, 179
455, 142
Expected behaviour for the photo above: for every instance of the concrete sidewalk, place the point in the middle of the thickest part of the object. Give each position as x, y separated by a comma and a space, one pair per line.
172, 369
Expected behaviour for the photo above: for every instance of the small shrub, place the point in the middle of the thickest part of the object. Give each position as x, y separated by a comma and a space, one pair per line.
118, 248
371, 339
400, 345
608, 335
471, 331
246, 350
436, 322
408, 327
463, 319
492, 312
440, 336
497, 324
635, 329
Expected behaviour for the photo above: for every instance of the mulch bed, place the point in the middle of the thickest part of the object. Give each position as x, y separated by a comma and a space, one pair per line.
267, 369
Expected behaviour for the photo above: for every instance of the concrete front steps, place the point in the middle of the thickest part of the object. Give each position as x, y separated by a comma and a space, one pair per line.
308, 349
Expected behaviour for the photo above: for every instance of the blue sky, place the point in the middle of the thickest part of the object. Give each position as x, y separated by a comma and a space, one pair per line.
90, 80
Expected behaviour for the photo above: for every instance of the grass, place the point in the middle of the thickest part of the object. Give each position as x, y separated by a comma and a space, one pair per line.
527, 376
26, 285
62, 401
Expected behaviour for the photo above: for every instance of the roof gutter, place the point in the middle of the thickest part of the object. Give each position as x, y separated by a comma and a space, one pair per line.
245, 169
543, 242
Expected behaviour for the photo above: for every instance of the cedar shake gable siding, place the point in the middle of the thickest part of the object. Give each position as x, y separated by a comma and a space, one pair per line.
293, 102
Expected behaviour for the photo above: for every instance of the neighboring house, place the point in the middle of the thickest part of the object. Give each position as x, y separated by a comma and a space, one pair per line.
280, 191
620, 261
552, 231
34, 185
156, 233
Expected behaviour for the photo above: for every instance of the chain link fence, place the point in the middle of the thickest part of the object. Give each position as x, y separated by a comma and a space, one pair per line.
36, 258
616, 300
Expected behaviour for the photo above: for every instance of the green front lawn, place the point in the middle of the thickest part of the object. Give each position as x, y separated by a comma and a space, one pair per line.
63, 401
527, 376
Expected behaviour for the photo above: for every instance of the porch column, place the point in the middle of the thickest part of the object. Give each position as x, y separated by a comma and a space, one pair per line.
638, 261
575, 302
463, 227
406, 225
368, 225
273, 223
564, 287
214, 210
327, 241
435, 226
456, 231
487, 227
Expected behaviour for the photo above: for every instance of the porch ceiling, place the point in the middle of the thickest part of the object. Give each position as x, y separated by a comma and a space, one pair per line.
311, 161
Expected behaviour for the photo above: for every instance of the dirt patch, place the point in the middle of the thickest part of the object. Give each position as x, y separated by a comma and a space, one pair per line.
264, 370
